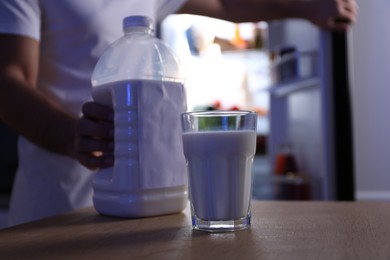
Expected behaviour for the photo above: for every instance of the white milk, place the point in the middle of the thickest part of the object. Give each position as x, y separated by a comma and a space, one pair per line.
220, 172
149, 173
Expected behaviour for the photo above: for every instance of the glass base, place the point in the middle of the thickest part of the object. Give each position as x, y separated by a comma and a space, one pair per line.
222, 225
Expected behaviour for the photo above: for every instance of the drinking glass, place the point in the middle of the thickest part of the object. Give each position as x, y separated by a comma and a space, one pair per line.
219, 147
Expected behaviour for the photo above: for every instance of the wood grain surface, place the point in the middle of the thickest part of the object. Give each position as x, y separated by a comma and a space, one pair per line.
280, 230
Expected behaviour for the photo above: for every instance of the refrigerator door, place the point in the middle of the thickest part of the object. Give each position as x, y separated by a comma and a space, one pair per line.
312, 112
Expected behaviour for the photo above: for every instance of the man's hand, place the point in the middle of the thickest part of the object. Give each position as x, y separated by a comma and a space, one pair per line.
94, 143
330, 14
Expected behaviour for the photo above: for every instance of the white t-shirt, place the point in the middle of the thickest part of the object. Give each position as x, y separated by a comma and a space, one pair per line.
72, 35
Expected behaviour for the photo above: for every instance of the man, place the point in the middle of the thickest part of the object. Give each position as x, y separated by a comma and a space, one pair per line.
47, 52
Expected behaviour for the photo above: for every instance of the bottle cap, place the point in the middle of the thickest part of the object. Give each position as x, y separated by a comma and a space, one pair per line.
137, 21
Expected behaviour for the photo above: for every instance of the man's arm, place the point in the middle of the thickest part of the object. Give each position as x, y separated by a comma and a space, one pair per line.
35, 116
24, 108
327, 14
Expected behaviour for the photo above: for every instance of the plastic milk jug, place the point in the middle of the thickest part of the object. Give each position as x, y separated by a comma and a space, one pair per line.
141, 79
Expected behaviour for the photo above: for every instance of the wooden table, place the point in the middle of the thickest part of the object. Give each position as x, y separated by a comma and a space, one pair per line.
280, 230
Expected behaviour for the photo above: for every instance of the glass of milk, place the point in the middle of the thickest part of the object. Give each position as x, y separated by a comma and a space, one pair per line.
219, 147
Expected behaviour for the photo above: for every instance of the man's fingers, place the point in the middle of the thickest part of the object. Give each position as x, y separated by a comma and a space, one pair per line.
87, 127
98, 112
95, 162
87, 145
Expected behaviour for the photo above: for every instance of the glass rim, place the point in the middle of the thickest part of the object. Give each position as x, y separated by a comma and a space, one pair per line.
219, 113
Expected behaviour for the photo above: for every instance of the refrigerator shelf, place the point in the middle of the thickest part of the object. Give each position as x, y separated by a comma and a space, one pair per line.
285, 88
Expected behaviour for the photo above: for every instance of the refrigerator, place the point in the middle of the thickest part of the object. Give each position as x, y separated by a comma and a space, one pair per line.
310, 107
337, 120
309, 99
331, 107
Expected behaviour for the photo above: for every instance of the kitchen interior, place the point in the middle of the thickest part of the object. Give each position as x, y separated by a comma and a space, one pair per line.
283, 70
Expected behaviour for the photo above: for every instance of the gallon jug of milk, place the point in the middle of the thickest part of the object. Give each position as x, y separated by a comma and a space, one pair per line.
141, 79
